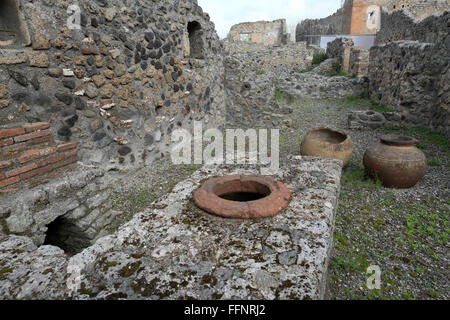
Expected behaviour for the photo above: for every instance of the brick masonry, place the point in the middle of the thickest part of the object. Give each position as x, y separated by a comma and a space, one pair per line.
341, 48
359, 61
29, 157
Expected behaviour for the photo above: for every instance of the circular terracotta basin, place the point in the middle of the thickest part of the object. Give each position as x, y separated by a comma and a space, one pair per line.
243, 197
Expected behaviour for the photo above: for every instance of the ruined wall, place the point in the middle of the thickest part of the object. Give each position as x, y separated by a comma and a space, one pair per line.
252, 73
417, 9
409, 69
269, 33
340, 49
414, 79
431, 27
134, 72
334, 24
357, 17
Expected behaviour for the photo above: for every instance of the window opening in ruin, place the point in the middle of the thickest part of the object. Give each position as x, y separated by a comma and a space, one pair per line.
12, 28
195, 40
245, 37
65, 234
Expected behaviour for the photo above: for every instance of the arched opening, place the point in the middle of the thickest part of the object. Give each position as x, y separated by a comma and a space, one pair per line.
12, 28
65, 234
195, 40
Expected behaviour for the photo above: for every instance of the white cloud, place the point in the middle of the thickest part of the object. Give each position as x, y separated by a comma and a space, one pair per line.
226, 13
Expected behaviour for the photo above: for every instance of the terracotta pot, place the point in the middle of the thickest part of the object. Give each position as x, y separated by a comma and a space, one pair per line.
396, 161
327, 143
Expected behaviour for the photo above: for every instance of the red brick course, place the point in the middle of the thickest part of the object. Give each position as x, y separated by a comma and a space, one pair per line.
39, 140
33, 135
6, 133
30, 163
66, 162
5, 164
30, 155
36, 126
67, 146
6, 142
35, 172
50, 160
17, 171
4, 183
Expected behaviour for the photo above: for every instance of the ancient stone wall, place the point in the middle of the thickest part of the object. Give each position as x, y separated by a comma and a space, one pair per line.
356, 17
269, 33
132, 73
413, 78
252, 72
417, 9
340, 48
402, 25
334, 24
409, 69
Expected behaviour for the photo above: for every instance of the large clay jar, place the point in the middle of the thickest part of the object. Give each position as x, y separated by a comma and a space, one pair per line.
396, 161
327, 143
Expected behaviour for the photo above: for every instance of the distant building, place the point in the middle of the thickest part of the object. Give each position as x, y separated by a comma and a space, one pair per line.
269, 33
355, 17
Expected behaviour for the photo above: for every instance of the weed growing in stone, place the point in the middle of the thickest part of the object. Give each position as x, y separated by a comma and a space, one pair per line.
434, 162
379, 107
319, 57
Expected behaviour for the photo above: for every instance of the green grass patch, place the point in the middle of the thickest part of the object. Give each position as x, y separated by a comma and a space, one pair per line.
4, 271
356, 178
347, 262
283, 97
379, 107
434, 162
428, 136
260, 72
195, 168
336, 71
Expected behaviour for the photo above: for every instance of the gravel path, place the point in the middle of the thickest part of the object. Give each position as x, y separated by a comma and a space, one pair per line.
404, 232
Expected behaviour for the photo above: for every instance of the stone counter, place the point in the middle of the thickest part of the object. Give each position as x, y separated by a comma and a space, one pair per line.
173, 250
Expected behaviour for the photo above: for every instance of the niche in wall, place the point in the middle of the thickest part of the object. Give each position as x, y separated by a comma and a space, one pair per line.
13, 31
195, 40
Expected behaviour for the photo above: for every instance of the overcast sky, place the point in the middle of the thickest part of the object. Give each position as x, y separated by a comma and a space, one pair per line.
226, 13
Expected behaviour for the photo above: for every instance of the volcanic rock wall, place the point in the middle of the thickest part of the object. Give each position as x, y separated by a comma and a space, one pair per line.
412, 76
334, 24
427, 25
134, 71
417, 9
